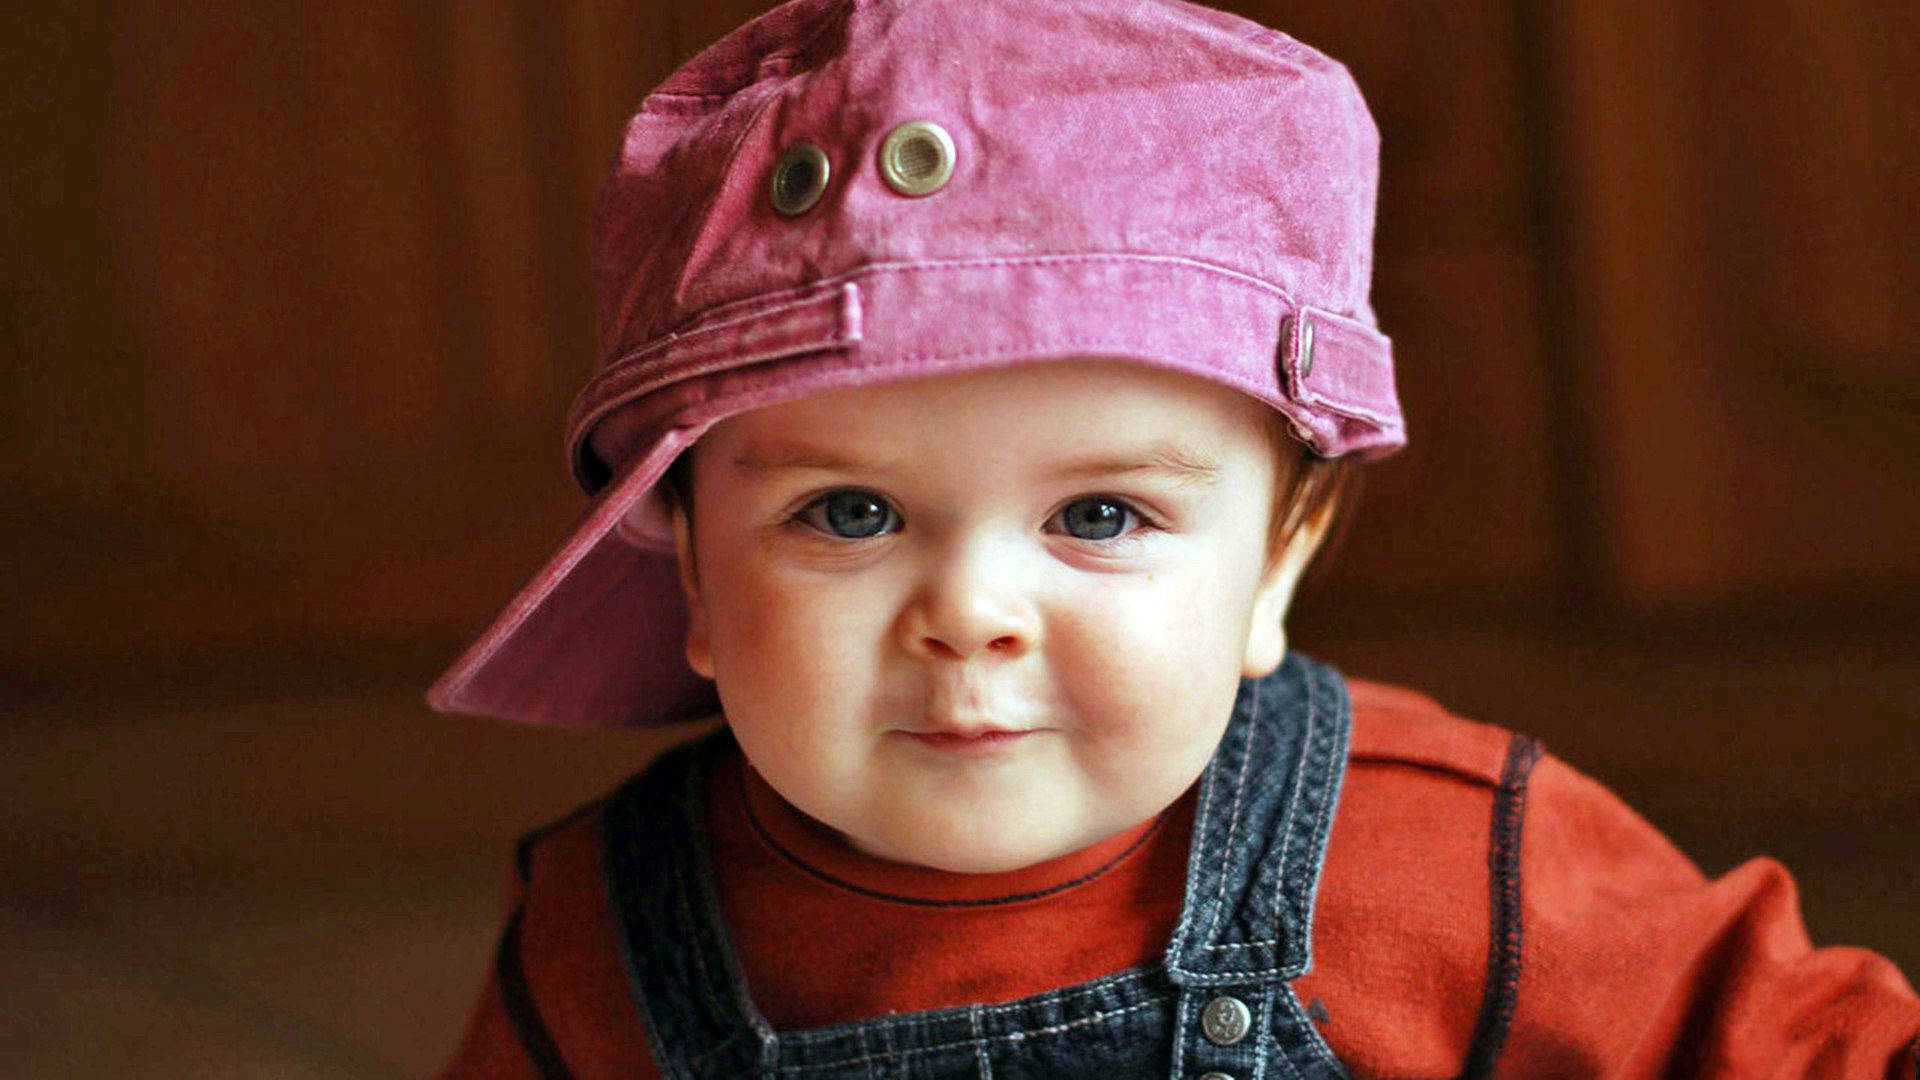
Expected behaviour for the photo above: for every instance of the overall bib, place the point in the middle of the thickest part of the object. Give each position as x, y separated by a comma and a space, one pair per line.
1215, 1007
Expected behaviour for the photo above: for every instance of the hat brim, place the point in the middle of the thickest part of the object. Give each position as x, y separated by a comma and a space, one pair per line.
597, 637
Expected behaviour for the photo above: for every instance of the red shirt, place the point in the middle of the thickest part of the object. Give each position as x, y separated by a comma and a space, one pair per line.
1632, 963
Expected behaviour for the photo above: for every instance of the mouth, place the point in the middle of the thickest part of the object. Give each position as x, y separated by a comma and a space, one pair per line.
974, 742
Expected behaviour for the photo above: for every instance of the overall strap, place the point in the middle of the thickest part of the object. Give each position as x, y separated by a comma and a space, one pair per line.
673, 942
1261, 825
1260, 828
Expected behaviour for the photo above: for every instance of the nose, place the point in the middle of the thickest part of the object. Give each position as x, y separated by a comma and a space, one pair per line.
969, 604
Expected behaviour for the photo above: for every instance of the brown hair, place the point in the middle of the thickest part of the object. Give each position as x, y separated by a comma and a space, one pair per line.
1305, 486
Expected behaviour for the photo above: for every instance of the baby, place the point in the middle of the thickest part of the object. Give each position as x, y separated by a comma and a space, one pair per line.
979, 378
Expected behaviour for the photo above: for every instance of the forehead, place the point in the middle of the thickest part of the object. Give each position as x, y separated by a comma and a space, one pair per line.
1080, 409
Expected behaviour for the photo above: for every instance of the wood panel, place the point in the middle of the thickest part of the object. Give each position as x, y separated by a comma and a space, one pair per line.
1467, 509
1740, 225
305, 299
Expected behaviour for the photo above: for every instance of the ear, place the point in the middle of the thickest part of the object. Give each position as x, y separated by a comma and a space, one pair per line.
699, 645
1267, 633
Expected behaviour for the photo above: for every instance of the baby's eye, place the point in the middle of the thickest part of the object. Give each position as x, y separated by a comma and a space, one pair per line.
1096, 517
848, 513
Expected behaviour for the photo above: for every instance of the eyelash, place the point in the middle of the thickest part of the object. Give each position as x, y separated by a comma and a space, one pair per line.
1141, 521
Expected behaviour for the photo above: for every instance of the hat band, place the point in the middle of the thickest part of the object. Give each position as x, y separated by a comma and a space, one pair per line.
892, 320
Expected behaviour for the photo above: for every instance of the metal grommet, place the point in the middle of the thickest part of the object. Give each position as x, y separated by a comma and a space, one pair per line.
799, 177
1306, 346
916, 157
1225, 1021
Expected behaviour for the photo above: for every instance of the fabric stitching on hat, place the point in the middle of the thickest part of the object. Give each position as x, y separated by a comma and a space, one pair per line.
598, 386
773, 65
1028, 350
619, 370
997, 260
1298, 382
628, 293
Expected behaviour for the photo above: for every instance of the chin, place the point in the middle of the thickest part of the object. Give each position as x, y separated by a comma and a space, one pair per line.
960, 856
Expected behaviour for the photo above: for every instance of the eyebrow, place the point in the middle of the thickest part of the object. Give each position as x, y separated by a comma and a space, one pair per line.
1169, 460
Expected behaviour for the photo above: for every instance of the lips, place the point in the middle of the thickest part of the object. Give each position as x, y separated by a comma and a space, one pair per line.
970, 732
975, 742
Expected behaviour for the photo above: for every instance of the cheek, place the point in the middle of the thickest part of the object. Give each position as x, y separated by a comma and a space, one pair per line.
797, 638
1166, 619
1145, 666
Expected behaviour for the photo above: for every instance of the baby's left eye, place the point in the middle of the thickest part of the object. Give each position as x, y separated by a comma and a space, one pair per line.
1096, 517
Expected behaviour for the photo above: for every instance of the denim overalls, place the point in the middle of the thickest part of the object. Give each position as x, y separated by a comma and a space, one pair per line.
1216, 1007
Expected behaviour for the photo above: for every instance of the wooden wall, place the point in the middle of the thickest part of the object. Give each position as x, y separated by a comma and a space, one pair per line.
298, 301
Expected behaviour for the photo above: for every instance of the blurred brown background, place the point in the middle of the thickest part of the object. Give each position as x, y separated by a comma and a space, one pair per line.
298, 302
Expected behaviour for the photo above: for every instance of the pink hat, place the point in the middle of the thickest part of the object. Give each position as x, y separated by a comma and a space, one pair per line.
843, 192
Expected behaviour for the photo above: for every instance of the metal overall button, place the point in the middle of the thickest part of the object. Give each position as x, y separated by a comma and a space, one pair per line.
1306, 346
799, 176
916, 157
1226, 1020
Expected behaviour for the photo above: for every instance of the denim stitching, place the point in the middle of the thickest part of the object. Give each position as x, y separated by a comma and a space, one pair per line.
1125, 981
1301, 777
979, 1044
1182, 1032
1286, 831
1264, 1044
1316, 761
1012, 1037
1310, 1032
1233, 818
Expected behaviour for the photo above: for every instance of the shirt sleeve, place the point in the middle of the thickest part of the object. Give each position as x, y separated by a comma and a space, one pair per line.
1632, 963
492, 1047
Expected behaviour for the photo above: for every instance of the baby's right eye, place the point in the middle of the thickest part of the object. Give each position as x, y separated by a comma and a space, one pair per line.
848, 513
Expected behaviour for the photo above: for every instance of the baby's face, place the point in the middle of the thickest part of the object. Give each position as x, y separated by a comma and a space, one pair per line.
874, 569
